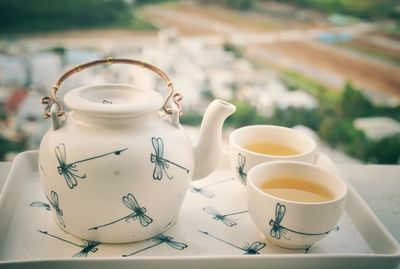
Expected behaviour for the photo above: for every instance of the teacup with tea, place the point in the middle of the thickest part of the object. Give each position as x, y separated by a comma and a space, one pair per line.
255, 144
294, 204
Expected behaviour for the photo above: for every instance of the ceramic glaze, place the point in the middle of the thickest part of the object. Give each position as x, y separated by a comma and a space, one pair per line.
290, 223
242, 159
118, 167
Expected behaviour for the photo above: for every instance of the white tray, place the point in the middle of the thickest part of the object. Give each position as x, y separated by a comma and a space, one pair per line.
361, 242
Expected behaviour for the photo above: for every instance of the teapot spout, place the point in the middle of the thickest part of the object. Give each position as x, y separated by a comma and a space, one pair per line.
208, 149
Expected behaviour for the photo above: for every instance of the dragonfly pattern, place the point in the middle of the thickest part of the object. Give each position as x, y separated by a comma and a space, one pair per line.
138, 213
160, 239
87, 246
107, 102
160, 163
207, 193
40, 204
69, 170
278, 231
223, 218
54, 203
249, 249
240, 168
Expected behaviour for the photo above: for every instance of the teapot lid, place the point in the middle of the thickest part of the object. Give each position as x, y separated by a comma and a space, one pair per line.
113, 100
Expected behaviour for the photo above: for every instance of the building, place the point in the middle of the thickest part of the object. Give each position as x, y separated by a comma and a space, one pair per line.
376, 128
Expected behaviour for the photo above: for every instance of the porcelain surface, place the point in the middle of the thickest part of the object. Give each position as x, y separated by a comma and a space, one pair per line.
115, 169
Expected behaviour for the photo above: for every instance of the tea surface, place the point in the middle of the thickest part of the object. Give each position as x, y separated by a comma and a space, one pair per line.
271, 149
297, 189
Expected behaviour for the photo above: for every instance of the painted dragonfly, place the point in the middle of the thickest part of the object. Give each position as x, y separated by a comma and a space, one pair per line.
160, 163
249, 249
53, 200
218, 216
138, 213
240, 168
160, 239
87, 246
278, 231
69, 170
40, 204
207, 193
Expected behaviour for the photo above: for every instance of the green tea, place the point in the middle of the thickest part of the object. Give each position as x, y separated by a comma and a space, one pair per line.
297, 189
271, 149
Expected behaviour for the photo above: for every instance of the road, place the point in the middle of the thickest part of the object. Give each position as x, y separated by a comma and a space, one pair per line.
298, 49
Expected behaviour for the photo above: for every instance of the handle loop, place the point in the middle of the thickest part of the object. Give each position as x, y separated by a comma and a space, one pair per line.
173, 95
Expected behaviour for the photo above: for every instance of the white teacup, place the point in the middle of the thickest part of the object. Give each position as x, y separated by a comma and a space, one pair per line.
243, 159
289, 223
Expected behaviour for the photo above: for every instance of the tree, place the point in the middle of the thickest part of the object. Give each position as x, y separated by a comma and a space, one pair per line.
234, 4
43, 15
245, 114
292, 116
354, 104
7, 146
386, 150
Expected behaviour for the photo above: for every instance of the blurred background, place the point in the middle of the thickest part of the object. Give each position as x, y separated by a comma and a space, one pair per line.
330, 68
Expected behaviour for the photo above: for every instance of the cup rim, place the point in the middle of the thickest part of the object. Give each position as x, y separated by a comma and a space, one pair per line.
236, 131
251, 184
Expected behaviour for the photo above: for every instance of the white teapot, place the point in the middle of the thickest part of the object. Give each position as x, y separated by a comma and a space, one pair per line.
116, 168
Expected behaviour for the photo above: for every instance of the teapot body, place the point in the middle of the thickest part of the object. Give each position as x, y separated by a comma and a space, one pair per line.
115, 180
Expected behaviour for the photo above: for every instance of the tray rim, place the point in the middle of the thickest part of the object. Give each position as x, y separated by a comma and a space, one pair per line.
394, 257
